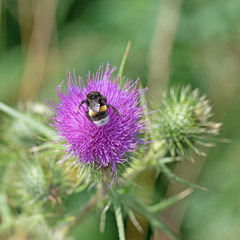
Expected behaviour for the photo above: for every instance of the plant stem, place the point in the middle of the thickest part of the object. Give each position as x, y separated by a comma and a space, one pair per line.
119, 219
120, 73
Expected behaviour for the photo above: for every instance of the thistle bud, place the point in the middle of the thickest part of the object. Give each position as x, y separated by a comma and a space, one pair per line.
43, 183
32, 185
183, 122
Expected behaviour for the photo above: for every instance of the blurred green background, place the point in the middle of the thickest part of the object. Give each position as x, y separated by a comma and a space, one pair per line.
172, 42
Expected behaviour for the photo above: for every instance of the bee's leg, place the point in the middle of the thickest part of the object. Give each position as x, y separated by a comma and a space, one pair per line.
82, 102
87, 114
114, 109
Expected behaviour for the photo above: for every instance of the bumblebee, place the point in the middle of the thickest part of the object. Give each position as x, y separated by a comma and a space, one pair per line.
97, 108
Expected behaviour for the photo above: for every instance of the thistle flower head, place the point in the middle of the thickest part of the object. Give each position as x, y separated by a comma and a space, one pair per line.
183, 122
99, 146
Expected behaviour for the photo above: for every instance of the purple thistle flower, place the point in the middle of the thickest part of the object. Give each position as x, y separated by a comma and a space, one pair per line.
107, 145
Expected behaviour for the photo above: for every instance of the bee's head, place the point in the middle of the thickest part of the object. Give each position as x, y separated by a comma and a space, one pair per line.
94, 97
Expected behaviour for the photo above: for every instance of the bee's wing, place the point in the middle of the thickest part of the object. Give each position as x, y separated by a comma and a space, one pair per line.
95, 106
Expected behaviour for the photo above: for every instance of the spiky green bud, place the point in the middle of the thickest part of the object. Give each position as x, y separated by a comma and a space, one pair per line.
43, 183
32, 185
183, 122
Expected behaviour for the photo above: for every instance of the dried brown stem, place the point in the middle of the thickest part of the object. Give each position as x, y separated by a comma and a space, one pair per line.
161, 47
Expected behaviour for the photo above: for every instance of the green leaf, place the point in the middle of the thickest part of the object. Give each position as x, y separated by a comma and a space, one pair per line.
170, 201
169, 160
5, 212
28, 120
162, 226
135, 221
132, 203
173, 176
103, 217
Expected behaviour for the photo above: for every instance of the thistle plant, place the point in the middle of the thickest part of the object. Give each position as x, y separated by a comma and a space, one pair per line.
74, 157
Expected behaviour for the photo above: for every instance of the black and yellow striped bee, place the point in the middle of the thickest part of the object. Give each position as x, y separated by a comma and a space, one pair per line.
97, 108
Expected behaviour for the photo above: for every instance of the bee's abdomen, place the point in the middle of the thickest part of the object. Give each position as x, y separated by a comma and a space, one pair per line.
102, 109
101, 118
100, 115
